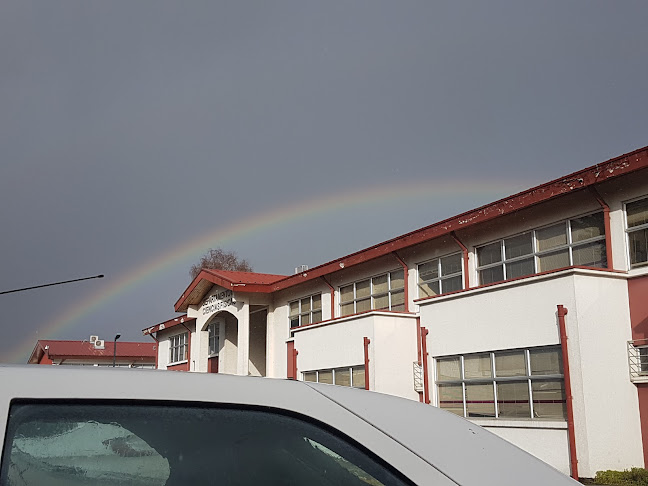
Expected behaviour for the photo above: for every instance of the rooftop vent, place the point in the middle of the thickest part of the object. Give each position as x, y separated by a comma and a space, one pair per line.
301, 269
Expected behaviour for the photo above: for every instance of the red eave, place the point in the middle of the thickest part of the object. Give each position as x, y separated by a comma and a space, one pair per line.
84, 349
582, 179
167, 324
237, 281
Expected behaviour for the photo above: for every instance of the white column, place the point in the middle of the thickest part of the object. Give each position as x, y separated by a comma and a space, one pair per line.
243, 345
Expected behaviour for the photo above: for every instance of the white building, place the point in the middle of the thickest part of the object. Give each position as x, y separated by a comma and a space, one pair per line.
526, 316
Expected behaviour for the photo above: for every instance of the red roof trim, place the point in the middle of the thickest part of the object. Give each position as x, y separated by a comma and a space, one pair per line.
167, 324
618, 166
576, 181
85, 349
238, 281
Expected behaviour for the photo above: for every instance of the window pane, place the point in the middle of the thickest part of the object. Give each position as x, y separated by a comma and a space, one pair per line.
346, 293
480, 401
397, 279
346, 309
551, 237
381, 302
294, 308
518, 246
513, 400
510, 363
546, 361
398, 300
551, 261
520, 268
343, 377
363, 289
587, 227
76, 444
310, 376
363, 305
549, 400
359, 377
451, 399
317, 301
325, 376
305, 319
317, 316
637, 213
451, 264
490, 275
380, 284
477, 366
489, 254
638, 246
590, 255
305, 305
448, 369
428, 271
451, 284
429, 289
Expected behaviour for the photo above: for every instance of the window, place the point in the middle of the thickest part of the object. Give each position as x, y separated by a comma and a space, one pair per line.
637, 229
142, 443
306, 311
577, 241
214, 345
353, 376
384, 292
514, 384
440, 276
178, 348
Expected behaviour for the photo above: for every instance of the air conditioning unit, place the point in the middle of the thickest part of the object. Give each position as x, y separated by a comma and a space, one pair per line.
99, 344
301, 269
93, 338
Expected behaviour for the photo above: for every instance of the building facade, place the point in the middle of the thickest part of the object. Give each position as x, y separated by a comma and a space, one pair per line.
528, 316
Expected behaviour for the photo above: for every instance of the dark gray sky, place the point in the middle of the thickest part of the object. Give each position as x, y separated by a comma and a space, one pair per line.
129, 129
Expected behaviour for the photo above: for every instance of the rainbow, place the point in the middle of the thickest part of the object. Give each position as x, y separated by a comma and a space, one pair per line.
155, 266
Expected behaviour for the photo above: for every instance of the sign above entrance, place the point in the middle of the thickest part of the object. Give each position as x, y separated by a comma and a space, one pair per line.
218, 301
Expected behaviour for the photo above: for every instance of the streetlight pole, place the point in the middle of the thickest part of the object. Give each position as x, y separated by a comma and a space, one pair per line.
115, 349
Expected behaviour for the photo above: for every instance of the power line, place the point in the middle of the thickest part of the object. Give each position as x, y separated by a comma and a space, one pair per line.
49, 284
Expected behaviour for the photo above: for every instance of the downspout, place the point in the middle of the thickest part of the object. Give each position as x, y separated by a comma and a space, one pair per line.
366, 361
332, 297
424, 333
464, 252
418, 349
157, 349
571, 437
606, 222
188, 346
292, 361
405, 276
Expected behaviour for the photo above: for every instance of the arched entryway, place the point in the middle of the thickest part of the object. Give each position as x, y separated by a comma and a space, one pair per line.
220, 338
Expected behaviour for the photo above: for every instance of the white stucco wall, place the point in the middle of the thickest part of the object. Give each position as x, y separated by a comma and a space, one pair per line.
606, 408
392, 349
523, 314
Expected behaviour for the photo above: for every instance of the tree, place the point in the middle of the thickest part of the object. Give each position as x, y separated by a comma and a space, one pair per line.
219, 259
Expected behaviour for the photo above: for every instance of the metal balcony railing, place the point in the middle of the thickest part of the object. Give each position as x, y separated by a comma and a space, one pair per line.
638, 360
